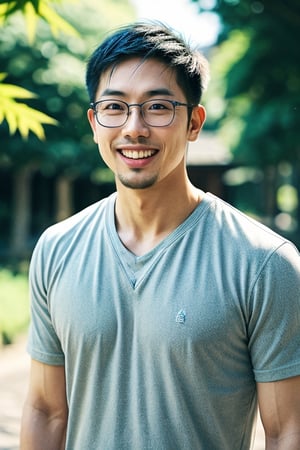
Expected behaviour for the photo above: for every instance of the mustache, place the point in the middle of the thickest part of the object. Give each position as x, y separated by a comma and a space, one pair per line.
140, 140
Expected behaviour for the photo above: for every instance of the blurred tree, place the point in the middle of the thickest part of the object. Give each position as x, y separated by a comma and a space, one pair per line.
262, 77
54, 69
257, 98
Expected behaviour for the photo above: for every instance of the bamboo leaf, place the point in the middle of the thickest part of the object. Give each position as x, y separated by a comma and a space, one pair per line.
31, 18
12, 121
32, 10
56, 22
24, 118
10, 90
3, 9
8, 8
3, 75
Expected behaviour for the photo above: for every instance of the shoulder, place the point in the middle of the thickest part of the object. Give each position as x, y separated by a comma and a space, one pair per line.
94, 212
90, 216
244, 230
73, 232
248, 247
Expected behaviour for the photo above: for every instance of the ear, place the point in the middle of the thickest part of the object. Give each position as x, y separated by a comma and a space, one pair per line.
196, 122
92, 120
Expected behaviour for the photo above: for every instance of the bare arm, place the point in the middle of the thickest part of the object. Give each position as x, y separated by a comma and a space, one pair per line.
45, 411
279, 404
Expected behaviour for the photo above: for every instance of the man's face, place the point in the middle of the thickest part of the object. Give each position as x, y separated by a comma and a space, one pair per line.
142, 156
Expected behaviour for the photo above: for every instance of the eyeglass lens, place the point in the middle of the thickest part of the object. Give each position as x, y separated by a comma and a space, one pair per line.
114, 113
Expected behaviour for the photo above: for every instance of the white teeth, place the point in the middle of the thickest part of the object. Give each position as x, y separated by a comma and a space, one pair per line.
134, 154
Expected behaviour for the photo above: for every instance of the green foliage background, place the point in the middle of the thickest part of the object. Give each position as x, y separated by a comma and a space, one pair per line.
258, 60
14, 305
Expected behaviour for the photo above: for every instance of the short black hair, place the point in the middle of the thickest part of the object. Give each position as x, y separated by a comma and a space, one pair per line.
150, 40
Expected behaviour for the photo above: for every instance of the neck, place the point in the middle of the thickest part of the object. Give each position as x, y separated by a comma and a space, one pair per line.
145, 217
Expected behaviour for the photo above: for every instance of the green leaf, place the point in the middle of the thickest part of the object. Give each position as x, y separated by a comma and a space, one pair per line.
32, 11
31, 18
20, 116
56, 22
3, 75
10, 90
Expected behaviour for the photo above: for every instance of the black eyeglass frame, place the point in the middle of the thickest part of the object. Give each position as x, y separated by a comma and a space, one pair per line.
174, 103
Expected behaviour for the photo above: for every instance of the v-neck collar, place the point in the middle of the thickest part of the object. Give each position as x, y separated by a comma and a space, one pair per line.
135, 266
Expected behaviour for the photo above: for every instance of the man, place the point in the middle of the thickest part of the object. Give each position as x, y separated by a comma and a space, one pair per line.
160, 314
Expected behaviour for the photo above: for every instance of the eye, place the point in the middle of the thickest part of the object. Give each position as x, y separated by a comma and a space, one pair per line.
159, 105
111, 106
114, 106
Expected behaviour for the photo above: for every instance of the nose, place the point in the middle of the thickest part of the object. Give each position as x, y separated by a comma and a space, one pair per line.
135, 125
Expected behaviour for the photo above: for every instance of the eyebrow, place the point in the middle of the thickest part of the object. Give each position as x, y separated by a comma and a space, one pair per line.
112, 92
160, 91
151, 93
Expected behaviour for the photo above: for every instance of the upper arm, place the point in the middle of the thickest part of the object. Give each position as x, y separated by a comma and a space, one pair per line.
45, 413
279, 405
47, 388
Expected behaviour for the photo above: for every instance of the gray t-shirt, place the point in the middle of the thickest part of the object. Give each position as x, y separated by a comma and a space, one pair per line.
163, 351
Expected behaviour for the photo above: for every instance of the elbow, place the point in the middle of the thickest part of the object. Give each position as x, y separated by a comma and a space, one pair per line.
288, 440
42, 429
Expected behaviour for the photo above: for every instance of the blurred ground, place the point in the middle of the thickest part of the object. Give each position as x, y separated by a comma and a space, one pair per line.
14, 368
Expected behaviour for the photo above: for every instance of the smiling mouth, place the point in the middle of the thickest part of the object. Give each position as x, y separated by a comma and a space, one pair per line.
138, 154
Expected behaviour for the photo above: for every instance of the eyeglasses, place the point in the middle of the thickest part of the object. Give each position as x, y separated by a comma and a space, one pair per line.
156, 113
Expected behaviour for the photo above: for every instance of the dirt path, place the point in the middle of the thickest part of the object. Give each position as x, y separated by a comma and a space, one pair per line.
14, 367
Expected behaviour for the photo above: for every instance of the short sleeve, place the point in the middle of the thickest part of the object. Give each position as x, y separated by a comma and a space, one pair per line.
274, 324
43, 342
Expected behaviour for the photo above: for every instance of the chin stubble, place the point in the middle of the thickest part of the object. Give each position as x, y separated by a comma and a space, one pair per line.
137, 184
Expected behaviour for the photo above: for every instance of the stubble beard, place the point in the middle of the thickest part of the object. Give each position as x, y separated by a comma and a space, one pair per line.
137, 184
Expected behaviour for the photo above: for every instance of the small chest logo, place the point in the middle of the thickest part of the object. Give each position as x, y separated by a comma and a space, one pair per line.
181, 315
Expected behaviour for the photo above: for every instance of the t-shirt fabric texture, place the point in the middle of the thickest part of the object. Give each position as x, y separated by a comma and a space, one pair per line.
163, 351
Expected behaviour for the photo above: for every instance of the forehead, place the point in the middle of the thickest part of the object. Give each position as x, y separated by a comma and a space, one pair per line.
138, 76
